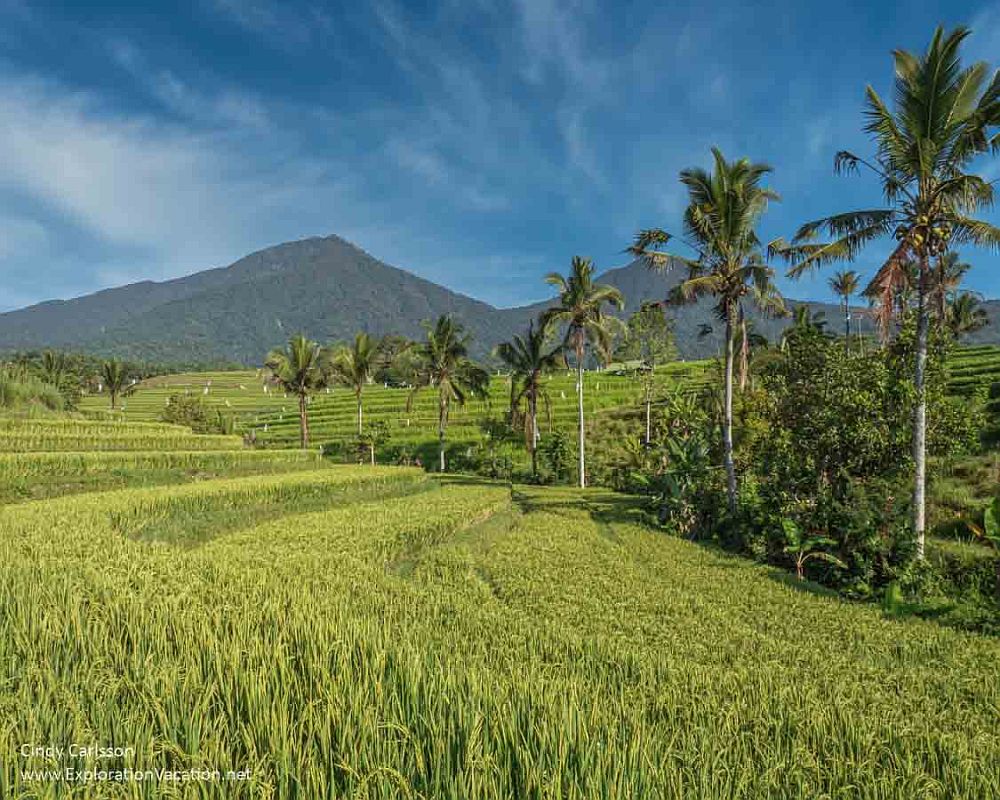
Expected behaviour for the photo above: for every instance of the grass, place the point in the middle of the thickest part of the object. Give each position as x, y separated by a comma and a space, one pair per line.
357, 632
36, 476
376, 633
274, 417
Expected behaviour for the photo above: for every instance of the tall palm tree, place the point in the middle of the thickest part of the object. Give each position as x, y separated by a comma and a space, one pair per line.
844, 284
747, 344
54, 367
944, 117
114, 379
355, 366
581, 309
964, 315
443, 362
945, 279
298, 370
720, 223
529, 360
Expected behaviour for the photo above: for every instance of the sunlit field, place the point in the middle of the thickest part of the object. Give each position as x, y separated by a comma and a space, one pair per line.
321, 632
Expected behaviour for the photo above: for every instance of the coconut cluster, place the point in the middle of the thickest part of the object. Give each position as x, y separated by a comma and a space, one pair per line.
926, 234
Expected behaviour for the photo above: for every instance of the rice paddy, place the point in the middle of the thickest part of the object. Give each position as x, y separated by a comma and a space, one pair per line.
312, 631
273, 417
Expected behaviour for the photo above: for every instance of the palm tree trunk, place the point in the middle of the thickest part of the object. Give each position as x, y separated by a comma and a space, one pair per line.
847, 325
579, 410
359, 414
920, 414
442, 417
727, 422
533, 406
744, 353
648, 422
303, 423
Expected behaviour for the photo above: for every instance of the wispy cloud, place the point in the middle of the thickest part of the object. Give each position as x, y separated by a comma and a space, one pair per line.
228, 106
279, 22
153, 200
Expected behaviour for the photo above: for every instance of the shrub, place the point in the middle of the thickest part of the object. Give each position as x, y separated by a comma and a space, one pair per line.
192, 412
21, 389
555, 457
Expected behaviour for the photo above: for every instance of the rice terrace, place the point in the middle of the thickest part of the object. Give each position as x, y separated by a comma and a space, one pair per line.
311, 526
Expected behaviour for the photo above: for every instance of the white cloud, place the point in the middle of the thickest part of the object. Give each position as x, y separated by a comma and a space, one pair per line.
225, 107
153, 200
580, 153
274, 20
429, 166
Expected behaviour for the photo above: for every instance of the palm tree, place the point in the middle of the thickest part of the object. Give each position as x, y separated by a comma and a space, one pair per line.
113, 377
298, 370
581, 309
720, 222
54, 367
944, 118
355, 366
747, 344
965, 316
844, 284
443, 362
945, 279
529, 359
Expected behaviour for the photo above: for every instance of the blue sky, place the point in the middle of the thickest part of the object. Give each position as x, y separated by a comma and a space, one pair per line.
477, 144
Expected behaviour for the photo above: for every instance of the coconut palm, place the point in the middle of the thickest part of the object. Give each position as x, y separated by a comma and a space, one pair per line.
844, 284
747, 344
529, 359
945, 279
720, 222
944, 117
443, 363
964, 315
114, 378
580, 308
54, 367
298, 369
355, 366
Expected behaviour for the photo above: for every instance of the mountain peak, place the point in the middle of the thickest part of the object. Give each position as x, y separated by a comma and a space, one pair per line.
328, 288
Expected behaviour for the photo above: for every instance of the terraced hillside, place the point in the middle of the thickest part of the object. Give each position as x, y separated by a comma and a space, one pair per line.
45, 457
333, 415
380, 633
974, 367
273, 417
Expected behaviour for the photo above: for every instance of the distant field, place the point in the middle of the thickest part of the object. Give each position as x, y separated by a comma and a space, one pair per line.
333, 414
273, 416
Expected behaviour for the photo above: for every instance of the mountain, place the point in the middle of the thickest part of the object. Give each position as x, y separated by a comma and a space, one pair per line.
328, 288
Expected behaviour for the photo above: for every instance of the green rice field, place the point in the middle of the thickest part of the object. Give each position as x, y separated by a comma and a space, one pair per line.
260, 623
333, 414
430, 639
273, 417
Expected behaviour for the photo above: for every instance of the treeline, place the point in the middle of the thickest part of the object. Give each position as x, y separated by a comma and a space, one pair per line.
57, 379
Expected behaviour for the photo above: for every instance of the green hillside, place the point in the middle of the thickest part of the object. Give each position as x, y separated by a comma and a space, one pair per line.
333, 415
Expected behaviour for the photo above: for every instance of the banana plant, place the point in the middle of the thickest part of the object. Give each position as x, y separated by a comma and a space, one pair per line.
804, 548
989, 531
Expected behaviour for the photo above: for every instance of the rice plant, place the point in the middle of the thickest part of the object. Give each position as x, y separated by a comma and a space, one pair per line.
458, 641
